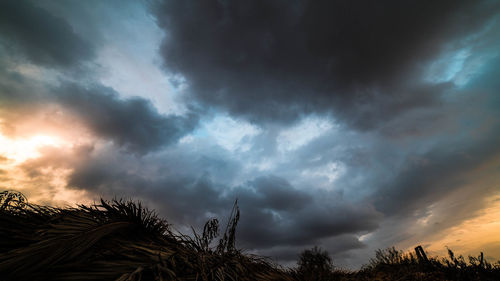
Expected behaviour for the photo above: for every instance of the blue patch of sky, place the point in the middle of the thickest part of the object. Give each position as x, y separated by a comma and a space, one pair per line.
446, 68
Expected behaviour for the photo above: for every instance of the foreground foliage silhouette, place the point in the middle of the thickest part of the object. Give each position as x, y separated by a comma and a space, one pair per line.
121, 240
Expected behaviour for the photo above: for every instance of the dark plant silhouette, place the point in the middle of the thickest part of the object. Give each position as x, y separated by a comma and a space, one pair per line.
314, 264
123, 241
118, 240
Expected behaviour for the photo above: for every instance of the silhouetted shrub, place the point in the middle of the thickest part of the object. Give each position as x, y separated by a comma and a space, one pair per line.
315, 264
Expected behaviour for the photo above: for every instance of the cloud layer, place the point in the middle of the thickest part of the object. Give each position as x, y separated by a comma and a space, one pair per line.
41, 37
274, 62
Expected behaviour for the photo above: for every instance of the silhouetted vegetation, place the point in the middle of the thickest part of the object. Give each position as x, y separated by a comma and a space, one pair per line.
314, 264
121, 240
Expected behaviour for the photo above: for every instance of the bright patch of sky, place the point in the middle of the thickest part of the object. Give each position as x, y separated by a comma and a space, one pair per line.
329, 172
131, 60
365, 236
264, 164
37, 73
461, 65
301, 134
229, 133
19, 150
447, 67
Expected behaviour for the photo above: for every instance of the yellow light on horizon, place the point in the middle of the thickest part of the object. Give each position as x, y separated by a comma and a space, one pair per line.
22, 149
474, 235
51, 189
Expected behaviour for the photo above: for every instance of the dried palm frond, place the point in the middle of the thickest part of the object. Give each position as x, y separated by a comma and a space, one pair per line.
117, 240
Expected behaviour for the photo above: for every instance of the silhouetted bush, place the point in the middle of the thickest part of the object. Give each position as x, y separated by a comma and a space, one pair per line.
314, 264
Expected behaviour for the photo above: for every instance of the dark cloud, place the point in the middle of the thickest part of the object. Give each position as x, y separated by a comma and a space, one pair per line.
273, 212
337, 247
133, 123
437, 163
17, 90
41, 37
471, 140
401, 176
277, 60
433, 176
274, 193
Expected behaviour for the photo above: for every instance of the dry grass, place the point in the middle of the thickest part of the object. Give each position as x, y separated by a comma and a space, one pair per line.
121, 240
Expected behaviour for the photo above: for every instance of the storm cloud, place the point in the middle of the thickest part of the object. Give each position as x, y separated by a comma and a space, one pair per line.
133, 123
41, 37
275, 61
274, 213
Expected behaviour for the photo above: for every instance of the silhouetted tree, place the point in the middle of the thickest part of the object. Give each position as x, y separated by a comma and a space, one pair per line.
315, 264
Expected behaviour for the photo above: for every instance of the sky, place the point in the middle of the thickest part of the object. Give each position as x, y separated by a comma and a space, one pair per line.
350, 125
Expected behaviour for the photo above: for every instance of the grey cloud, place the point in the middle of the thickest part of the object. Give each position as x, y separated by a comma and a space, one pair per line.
17, 90
43, 38
338, 248
53, 157
423, 159
432, 178
273, 212
133, 123
274, 61
274, 193
306, 226
465, 141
